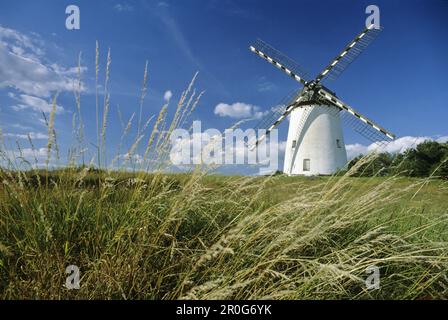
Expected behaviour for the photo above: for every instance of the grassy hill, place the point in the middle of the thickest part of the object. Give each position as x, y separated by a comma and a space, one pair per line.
195, 235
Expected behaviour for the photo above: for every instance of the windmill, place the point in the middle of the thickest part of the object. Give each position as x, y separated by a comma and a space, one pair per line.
315, 143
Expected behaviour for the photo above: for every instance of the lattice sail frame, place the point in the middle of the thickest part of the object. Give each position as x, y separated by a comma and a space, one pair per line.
280, 61
349, 53
361, 124
382, 133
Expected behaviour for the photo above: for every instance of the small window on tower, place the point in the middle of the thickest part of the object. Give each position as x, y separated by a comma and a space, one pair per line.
306, 164
338, 143
294, 142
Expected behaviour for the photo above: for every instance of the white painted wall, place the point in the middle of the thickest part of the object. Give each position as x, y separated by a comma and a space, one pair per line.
316, 130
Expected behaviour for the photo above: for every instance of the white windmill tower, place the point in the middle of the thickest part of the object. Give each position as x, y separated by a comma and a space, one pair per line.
315, 143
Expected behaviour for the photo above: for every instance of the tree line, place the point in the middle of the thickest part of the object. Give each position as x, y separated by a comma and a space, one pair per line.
429, 158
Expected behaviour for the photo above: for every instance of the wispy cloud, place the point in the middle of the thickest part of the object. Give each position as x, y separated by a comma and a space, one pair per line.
32, 135
21, 44
178, 36
265, 85
233, 9
34, 103
123, 7
178, 33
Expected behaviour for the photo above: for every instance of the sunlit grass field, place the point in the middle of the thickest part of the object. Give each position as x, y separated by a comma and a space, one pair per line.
203, 236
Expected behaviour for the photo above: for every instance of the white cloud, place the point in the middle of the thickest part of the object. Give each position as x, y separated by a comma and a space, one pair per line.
238, 110
354, 150
28, 154
73, 71
19, 126
20, 44
34, 103
35, 157
397, 146
30, 76
282, 146
123, 7
167, 95
134, 158
22, 66
32, 135
213, 147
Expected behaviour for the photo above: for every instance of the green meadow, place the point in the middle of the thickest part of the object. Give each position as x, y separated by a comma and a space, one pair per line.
205, 236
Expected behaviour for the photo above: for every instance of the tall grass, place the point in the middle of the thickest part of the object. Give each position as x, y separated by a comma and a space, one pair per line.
153, 235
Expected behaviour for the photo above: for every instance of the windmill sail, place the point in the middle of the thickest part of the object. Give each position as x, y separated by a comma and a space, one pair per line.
361, 124
280, 60
349, 54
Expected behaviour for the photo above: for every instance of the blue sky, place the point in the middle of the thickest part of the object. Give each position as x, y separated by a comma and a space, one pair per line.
399, 81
